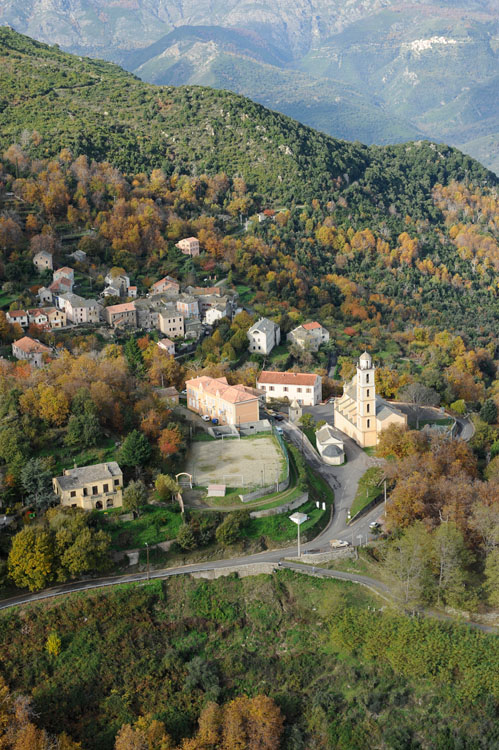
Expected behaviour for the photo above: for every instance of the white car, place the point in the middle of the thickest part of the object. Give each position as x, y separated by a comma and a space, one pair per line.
335, 543
279, 430
206, 418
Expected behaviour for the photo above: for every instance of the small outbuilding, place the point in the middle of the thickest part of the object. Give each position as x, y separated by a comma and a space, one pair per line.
330, 447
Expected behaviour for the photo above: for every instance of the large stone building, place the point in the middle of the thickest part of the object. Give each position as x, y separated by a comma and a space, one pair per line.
361, 414
215, 398
94, 487
189, 246
263, 336
303, 387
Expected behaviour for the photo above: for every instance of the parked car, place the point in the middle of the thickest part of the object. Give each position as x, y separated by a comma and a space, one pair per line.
214, 420
278, 417
335, 543
206, 418
374, 525
279, 430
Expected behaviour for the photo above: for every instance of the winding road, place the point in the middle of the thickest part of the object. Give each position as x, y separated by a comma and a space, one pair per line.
343, 479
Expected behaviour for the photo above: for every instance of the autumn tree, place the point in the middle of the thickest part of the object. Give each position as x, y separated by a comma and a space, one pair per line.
406, 565
135, 496
31, 561
170, 440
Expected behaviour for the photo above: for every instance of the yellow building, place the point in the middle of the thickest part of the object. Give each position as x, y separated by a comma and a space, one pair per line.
215, 398
91, 487
359, 413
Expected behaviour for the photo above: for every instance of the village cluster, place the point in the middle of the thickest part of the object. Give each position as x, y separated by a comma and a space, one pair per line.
185, 313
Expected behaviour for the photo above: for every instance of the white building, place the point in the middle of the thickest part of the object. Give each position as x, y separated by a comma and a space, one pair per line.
18, 316
167, 346
78, 309
306, 388
263, 336
31, 350
330, 447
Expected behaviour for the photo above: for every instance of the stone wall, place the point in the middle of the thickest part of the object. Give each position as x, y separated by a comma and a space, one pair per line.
262, 491
280, 508
255, 569
343, 553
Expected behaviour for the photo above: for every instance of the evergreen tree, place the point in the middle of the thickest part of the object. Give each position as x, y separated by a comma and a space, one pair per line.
135, 451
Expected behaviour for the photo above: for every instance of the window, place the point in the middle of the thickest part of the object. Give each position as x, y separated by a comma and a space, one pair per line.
368, 423
85, 492
95, 490
73, 493
309, 390
368, 408
105, 488
368, 391
271, 388
298, 390
116, 482
285, 389
367, 377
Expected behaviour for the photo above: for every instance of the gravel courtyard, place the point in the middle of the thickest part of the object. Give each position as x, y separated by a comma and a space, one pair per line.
257, 459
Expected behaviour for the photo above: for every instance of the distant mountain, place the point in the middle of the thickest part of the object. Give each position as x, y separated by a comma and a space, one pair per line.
378, 71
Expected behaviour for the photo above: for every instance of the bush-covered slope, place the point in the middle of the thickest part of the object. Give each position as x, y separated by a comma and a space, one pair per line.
50, 100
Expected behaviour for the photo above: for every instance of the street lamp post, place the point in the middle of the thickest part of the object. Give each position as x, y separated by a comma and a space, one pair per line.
147, 553
298, 519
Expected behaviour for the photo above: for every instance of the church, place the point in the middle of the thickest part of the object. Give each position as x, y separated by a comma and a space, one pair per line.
359, 413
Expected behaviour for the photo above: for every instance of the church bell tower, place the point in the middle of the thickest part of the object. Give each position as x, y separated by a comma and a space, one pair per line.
366, 395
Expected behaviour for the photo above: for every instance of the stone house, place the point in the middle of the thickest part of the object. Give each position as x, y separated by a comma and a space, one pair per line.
94, 487
263, 336
42, 261
309, 336
189, 246
31, 350
123, 315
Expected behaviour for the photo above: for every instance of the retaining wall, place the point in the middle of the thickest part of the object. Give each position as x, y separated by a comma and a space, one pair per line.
255, 569
262, 491
280, 508
343, 553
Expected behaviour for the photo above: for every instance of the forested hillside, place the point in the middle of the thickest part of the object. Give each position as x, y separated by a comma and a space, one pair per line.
277, 662
51, 100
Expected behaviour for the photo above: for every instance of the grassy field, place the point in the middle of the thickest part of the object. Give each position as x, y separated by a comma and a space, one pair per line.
152, 526
279, 528
369, 489
245, 293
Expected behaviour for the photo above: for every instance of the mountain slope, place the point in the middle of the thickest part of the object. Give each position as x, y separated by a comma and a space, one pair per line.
217, 58
400, 67
97, 109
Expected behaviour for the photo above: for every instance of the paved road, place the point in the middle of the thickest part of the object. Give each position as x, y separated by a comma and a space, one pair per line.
343, 480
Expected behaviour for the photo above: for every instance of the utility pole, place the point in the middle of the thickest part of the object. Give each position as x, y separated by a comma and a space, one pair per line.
384, 487
147, 552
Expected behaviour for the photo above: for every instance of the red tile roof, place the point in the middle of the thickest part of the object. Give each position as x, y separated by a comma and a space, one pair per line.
287, 378
234, 394
29, 345
124, 307
17, 313
311, 326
